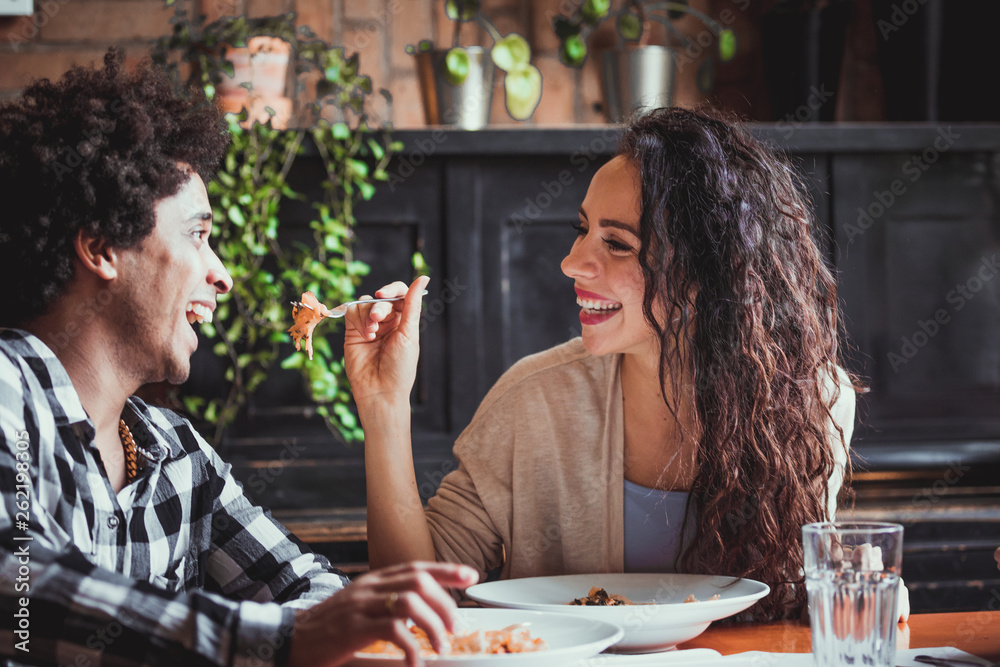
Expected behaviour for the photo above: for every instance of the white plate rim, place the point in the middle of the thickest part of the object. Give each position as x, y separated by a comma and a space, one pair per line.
576, 652
475, 592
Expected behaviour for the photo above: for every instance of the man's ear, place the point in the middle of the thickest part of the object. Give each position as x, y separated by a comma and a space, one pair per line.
96, 255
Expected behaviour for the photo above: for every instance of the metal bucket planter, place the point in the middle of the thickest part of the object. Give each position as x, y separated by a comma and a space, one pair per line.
636, 80
466, 105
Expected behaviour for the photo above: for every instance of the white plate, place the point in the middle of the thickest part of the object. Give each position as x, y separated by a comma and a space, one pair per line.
660, 622
568, 637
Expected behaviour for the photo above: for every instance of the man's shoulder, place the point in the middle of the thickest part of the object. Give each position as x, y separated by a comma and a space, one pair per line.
19, 348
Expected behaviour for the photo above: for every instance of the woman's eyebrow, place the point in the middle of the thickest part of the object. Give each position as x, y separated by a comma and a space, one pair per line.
608, 222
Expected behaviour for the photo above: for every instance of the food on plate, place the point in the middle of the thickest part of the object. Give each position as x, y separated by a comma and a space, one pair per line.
512, 639
307, 313
598, 597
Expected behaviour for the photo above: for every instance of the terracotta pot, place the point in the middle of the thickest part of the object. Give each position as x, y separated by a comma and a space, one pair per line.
259, 80
262, 63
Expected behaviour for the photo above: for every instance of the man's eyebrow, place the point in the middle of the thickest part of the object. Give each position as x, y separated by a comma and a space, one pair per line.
617, 224
204, 216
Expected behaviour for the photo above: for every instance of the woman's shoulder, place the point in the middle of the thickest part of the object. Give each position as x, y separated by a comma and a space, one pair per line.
567, 367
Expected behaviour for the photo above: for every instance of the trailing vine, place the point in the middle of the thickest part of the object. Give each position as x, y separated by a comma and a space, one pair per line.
268, 270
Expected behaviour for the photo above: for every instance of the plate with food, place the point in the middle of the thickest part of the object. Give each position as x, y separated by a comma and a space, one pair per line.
656, 611
491, 637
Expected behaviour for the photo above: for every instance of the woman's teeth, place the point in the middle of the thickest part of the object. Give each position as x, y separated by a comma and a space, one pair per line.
198, 313
587, 304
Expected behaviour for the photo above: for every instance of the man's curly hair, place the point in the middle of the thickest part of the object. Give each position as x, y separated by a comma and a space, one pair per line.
95, 151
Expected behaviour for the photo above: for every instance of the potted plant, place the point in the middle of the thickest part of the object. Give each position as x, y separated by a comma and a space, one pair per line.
243, 61
269, 265
634, 75
802, 42
456, 83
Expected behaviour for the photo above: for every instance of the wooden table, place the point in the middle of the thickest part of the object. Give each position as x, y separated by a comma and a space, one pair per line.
976, 632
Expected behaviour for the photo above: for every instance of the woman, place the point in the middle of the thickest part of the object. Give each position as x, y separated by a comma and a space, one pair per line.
698, 423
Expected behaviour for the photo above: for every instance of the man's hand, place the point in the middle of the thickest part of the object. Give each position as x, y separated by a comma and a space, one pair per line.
381, 344
375, 607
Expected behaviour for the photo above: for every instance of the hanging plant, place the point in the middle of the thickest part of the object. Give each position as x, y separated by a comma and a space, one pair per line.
249, 328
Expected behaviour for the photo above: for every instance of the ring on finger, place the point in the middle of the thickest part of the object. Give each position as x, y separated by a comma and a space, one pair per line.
390, 602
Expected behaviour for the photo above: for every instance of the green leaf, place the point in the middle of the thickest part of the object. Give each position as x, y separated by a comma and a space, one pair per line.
418, 262
573, 51
630, 26
236, 216
340, 131
511, 53
594, 11
727, 45
358, 167
523, 89
456, 66
461, 10
294, 360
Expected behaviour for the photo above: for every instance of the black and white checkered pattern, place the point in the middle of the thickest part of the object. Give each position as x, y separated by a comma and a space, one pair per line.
179, 568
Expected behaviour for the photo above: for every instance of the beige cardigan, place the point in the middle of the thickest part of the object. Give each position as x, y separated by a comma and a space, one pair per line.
540, 475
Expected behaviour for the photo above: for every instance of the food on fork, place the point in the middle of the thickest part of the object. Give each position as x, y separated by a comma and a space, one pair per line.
307, 313
598, 597
512, 639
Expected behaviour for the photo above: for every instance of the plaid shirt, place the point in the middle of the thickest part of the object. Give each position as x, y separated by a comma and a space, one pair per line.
178, 568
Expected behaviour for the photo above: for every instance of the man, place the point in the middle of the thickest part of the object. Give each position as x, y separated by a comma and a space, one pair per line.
123, 537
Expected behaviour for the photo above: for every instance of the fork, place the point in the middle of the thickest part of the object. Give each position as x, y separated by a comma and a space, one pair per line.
951, 662
341, 310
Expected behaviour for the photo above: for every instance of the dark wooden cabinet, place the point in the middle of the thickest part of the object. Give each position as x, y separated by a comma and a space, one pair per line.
907, 214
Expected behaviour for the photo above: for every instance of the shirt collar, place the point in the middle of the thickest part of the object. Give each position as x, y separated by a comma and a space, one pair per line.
148, 438
65, 405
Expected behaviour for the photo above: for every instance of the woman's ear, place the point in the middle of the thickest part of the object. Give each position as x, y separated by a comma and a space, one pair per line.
96, 255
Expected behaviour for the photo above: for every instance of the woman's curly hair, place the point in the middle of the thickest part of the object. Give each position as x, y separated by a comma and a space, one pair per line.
95, 151
727, 246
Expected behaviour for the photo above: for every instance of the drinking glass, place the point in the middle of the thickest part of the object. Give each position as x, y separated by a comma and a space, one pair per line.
852, 579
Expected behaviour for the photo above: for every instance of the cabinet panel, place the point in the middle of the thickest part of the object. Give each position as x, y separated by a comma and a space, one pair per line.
918, 260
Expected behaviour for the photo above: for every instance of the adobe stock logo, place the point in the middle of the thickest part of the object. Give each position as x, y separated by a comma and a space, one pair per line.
913, 169
958, 297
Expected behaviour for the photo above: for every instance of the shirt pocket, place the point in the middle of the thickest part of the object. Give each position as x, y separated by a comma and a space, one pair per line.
171, 581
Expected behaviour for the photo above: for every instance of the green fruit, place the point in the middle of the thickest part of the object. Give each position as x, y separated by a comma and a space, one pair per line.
573, 51
456, 66
511, 53
523, 88
630, 26
594, 11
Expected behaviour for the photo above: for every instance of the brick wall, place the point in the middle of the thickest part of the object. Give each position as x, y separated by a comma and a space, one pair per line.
66, 32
